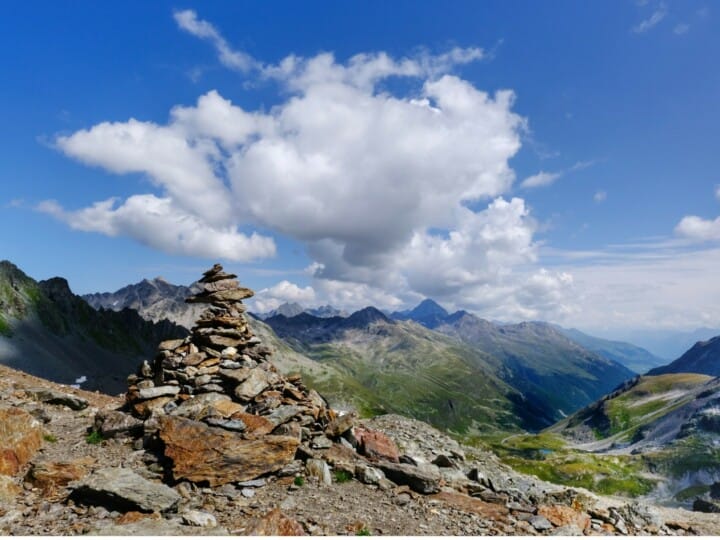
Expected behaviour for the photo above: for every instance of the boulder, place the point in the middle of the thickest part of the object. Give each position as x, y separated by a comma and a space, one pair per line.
201, 453
561, 516
425, 481
53, 397
317, 468
20, 438
340, 425
376, 446
123, 490
256, 382
48, 476
113, 423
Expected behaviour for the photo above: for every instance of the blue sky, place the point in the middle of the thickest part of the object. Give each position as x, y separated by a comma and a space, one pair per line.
524, 160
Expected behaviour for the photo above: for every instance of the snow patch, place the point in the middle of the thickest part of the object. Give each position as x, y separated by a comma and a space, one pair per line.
79, 381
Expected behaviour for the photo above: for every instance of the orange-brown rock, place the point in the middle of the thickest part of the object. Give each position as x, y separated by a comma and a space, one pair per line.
376, 445
48, 476
256, 425
340, 425
145, 408
564, 515
274, 523
201, 453
496, 512
20, 438
338, 455
9, 490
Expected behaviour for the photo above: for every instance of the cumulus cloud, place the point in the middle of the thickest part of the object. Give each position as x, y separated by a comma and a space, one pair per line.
697, 228
649, 23
272, 297
376, 185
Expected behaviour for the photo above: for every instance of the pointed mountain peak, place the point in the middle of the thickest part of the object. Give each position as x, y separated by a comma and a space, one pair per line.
365, 317
429, 306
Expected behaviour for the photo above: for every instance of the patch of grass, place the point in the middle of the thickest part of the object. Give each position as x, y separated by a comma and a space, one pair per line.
363, 532
94, 437
49, 437
342, 476
691, 492
299, 481
5, 329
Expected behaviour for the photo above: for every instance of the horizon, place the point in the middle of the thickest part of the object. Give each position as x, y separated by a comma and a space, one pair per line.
524, 162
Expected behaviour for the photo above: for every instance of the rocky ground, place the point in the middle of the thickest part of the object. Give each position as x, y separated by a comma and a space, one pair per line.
477, 495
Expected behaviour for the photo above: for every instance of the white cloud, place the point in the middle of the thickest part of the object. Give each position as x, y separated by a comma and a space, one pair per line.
697, 228
375, 185
647, 24
540, 179
717, 192
271, 298
600, 196
681, 29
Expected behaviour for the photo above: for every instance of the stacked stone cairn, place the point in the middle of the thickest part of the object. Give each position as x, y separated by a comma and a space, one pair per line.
219, 406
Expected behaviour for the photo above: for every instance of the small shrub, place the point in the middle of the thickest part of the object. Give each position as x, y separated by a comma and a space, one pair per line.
94, 437
363, 532
299, 481
49, 437
342, 476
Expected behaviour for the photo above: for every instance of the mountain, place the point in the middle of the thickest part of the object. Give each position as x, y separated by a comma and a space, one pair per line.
287, 309
428, 313
292, 309
402, 367
703, 357
154, 299
48, 331
327, 311
551, 370
635, 358
668, 344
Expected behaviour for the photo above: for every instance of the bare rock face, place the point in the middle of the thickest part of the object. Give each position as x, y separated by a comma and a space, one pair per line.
20, 439
201, 453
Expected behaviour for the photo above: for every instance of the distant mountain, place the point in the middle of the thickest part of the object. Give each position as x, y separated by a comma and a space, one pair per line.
428, 313
402, 367
703, 357
667, 344
635, 358
48, 331
154, 299
551, 370
327, 311
293, 309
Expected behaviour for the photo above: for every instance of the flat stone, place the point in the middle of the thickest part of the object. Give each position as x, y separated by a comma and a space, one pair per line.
201, 453
147, 408
420, 480
257, 483
321, 442
254, 424
193, 359
229, 295
158, 391
564, 515
53, 397
122, 489
540, 523
367, 474
248, 493
221, 342
196, 518
283, 414
232, 425
20, 438
171, 344
221, 285
50, 475
256, 382
113, 423
196, 405
235, 376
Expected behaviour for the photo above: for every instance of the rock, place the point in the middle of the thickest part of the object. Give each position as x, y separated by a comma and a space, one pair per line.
9, 490
196, 518
257, 483
540, 523
248, 493
321, 442
112, 423
122, 489
375, 445
149, 527
367, 474
50, 475
149, 407
317, 468
567, 530
564, 515
171, 344
340, 425
205, 454
446, 462
20, 438
422, 481
53, 397
158, 391
254, 424
256, 382
274, 523
283, 413
704, 505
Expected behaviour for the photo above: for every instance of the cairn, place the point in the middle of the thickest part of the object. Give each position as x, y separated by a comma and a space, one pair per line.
216, 401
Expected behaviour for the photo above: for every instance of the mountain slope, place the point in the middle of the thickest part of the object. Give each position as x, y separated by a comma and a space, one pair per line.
634, 358
403, 367
428, 313
50, 332
703, 357
553, 372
